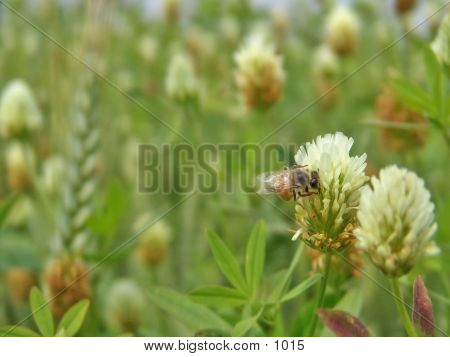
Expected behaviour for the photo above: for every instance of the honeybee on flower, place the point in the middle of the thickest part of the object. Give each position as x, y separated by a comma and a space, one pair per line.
290, 182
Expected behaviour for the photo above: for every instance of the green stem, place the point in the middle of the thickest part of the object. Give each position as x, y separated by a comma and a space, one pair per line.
402, 309
323, 287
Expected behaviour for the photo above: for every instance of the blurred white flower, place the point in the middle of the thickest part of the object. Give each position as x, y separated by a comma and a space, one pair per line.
441, 45
327, 220
125, 306
229, 29
396, 220
148, 48
182, 83
200, 43
260, 74
342, 30
20, 166
19, 112
325, 63
153, 244
53, 172
280, 20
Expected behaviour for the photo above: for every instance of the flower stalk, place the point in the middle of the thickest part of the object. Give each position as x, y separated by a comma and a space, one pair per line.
321, 298
398, 297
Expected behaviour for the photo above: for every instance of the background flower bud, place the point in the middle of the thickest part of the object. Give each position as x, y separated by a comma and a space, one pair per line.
342, 323
153, 244
19, 113
20, 166
423, 308
342, 30
53, 174
125, 306
69, 282
325, 67
259, 75
182, 83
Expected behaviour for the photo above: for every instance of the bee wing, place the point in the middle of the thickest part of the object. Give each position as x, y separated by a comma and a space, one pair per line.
268, 182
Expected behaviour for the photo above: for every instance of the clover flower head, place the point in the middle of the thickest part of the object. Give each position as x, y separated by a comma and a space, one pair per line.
327, 219
153, 244
342, 30
20, 166
325, 62
259, 76
182, 83
125, 306
19, 112
396, 221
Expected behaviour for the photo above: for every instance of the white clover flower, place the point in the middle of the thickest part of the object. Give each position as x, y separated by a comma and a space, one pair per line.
325, 63
396, 221
342, 30
182, 83
148, 48
125, 306
19, 112
441, 45
259, 74
229, 29
327, 219
53, 173
20, 166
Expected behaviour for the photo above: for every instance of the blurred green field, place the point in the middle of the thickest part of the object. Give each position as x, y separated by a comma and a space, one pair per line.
71, 211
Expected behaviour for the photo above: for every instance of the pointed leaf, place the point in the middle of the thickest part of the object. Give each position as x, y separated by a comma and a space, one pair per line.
41, 313
342, 323
302, 287
227, 262
243, 326
192, 314
218, 296
431, 62
423, 308
17, 331
255, 253
73, 319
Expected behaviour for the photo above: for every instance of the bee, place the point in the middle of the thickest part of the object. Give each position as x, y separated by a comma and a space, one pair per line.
290, 182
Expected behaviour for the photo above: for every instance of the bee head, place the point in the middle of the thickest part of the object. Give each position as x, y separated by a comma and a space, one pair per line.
314, 182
